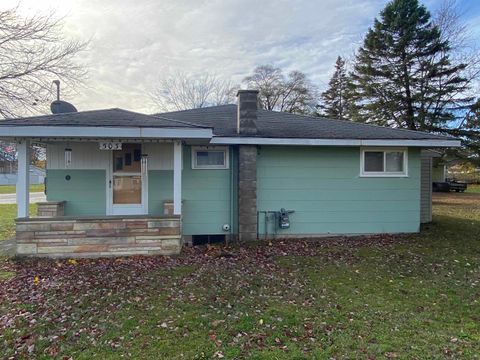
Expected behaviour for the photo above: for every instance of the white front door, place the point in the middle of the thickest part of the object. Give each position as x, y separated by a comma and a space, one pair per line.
127, 181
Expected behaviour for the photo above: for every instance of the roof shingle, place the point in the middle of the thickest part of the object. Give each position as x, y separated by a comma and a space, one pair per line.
99, 118
273, 124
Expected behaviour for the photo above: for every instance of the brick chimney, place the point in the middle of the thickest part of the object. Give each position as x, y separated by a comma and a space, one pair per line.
247, 165
247, 112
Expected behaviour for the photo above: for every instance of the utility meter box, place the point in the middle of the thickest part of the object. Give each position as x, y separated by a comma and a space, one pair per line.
284, 218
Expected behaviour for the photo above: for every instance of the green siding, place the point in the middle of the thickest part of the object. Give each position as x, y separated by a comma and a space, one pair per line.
324, 188
205, 193
160, 188
84, 193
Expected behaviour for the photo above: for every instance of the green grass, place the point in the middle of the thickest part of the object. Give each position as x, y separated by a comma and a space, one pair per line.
6, 275
10, 189
473, 188
414, 296
8, 213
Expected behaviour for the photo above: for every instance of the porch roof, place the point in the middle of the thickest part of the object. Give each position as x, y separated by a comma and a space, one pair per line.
108, 123
107, 117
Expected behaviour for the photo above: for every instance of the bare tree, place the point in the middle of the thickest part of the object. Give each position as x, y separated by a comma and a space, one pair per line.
181, 91
294, 93
33, 52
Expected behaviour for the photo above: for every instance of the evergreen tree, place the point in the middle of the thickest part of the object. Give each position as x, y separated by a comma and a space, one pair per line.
403, 75
334, 99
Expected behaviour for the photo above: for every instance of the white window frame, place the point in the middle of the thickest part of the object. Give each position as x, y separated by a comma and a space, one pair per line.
196, 149
384, 173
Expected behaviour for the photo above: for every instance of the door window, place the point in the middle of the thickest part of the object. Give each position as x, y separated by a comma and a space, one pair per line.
127, 178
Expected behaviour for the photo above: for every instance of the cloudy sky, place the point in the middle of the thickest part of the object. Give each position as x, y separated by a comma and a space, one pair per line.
136, 42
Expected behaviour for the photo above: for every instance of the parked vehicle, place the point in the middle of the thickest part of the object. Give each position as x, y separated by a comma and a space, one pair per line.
449, 185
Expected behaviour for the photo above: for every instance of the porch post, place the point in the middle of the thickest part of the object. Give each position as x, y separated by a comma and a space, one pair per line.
177, 178
23, 178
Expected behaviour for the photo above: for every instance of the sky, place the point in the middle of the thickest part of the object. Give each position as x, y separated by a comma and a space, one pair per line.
134, 43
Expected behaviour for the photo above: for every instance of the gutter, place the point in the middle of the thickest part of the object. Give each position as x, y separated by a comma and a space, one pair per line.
334, 142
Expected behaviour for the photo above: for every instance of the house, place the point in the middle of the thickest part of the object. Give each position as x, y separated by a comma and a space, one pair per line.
8, 167
123, 183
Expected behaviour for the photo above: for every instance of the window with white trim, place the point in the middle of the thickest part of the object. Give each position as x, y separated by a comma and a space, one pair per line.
210, 157
384, 162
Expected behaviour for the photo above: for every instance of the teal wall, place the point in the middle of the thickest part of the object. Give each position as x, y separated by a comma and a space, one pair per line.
321, 184
84, 193
160, 188
324, 188
205, 193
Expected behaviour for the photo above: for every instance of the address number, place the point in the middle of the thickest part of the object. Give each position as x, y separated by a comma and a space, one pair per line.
110, 146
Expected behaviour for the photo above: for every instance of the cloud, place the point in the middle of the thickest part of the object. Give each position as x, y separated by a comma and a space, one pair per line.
134, 43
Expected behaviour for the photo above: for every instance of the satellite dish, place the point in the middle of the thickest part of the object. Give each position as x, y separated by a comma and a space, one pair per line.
60, 107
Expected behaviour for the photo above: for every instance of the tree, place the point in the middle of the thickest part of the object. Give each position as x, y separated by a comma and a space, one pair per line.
294, 93
335, 98
468, 129
467, 123
404, 75
33, 52
181, 91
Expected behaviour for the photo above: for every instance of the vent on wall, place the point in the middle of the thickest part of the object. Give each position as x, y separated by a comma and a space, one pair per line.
207, 239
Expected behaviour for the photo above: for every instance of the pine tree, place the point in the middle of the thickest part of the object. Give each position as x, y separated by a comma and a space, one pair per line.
403, 75
334, 99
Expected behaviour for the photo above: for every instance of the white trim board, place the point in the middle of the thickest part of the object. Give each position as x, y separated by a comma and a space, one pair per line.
103, 132
333, 142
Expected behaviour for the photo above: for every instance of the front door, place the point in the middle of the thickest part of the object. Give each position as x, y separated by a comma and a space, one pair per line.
128, 181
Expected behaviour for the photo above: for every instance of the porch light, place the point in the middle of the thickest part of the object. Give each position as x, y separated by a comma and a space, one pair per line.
68, 157
144, 164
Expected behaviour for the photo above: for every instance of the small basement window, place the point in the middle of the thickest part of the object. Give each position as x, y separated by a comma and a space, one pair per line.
207, 239
383, 162
210, 157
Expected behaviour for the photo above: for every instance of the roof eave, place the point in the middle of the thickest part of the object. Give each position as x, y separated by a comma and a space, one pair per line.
427, 143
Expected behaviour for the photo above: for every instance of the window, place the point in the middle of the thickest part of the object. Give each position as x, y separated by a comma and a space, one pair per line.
378, 162
209, 157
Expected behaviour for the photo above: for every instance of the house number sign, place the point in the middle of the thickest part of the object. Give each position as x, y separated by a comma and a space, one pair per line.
110, 146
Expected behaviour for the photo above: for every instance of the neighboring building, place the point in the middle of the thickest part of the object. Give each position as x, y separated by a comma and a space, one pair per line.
121, 183
8, 167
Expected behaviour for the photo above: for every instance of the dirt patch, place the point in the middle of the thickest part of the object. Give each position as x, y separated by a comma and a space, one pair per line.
453, 198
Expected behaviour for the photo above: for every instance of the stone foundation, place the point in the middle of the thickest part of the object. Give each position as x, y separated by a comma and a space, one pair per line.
51, 208
98, 237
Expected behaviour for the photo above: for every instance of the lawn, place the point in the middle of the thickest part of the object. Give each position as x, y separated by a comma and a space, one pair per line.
10, 189
473, 188
415, 296
8, 213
